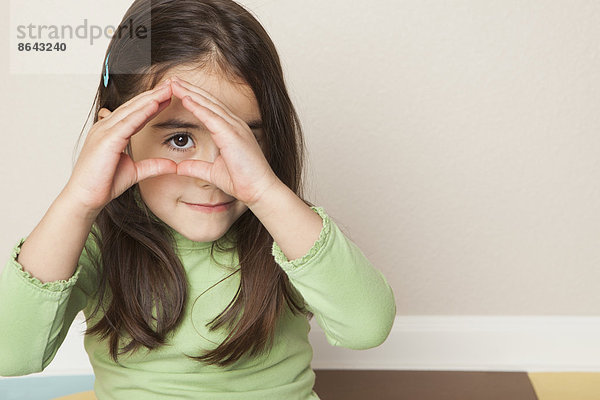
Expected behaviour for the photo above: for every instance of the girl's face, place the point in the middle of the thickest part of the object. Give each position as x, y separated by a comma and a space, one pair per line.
177, 135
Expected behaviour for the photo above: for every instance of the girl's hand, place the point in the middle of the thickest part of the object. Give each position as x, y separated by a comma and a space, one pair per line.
103, 171
241, 169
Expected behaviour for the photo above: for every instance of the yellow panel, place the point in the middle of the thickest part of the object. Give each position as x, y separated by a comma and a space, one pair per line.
566, 385
79, 396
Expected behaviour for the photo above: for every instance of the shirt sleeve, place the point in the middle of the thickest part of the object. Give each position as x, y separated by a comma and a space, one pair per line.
351, 300
34, 316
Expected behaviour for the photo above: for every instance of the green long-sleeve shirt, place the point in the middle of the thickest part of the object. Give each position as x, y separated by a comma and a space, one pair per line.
351, 301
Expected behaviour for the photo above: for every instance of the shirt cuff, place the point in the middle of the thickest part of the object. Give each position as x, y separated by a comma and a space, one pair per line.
55, 286
312, 253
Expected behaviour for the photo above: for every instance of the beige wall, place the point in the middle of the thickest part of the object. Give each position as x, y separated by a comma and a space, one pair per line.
457, 142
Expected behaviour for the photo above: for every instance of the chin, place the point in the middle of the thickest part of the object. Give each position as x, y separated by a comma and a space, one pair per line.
199, 238
196, 237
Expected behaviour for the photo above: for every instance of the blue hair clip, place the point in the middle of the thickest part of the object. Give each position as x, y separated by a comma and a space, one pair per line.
106, 71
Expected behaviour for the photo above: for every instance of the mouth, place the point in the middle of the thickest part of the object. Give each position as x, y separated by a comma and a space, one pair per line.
210, 205
210, 208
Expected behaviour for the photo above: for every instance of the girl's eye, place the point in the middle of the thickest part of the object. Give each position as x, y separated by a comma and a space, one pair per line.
179, 139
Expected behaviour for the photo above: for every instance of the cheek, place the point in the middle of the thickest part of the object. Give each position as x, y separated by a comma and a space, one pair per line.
159, 189
135, 146
143, 148
240, 208
264, 149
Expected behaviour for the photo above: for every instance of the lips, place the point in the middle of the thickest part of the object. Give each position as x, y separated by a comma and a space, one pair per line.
209, 205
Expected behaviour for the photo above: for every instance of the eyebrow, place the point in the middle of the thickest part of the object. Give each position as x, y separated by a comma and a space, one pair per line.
176, 123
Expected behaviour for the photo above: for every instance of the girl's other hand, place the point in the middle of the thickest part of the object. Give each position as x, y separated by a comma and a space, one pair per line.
103, 171
241, 169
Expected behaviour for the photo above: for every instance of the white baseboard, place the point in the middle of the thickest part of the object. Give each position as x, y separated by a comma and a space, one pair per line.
474, 343
459, 343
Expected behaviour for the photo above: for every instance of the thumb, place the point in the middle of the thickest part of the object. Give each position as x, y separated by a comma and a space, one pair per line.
195, 169
151, 167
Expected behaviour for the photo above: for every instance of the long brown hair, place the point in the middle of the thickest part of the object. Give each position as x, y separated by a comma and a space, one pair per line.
136, 260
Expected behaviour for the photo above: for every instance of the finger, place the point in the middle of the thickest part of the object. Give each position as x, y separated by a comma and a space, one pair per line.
182, 91
220, 128
135, 121
195, 169
134, 103
151, 115
196, 89
146, 93
161, 107
142, 170
160, 94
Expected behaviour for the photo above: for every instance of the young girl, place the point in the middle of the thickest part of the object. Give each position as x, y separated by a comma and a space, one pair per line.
182, 233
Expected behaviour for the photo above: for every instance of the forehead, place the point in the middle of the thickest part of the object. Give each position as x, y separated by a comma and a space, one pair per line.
238, 97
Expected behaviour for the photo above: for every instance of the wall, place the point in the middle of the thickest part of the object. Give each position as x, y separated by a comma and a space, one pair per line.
455, 141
